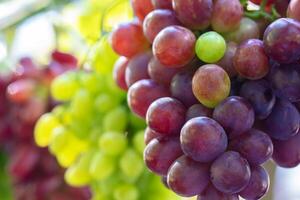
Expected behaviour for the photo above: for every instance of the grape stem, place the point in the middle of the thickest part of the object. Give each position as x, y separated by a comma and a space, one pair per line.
261, 13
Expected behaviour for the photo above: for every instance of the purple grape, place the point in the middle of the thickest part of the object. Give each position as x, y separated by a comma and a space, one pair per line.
281, 40
287, 153
162, 4
211, 193
227, 61
283, 122
198, 110
230, 173
137, 68
160, 153
181, 87
187, 177
174, 46
293, 10
119, 72
195, 14
203, 139
258, 185
235, 114
161, 73
285, 80
156, 21
150, 135
141, 94
250, 60
256, 146
261, 97
166, 116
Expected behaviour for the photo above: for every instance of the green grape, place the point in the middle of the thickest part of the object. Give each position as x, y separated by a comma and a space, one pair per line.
43, 129
105, 102
126, 192
89, 82
116, 120
131, 164
79, 174
103, 57
64, 86
60, 137
66, 158
210, 47
113, 143
81, 104
138, 142
80, 128
102, 166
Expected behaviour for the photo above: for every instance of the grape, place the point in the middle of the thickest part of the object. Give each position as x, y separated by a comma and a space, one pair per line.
160, 153
194, 14
142, 94
162, 4
43, 129
293, 10
285, 80
118, 115
187, 177
261, 97
119, 72
156, 21
166, 116
210, 47
248, 29
258, 2
138, 142
174, 46
105, 103
198, 110
64, 87
256, 146
227, 15
227, 61
181, 87
230, 173
160, 73
150, 135
250, 60
203, 139
126, 192
131, 164
286, 153
211, 193
128, 39
112, 143
141, 8
235, 114
60, 136
21, 90
102, 166
280, 40
258, 185
211, 85
283, 122
137, 68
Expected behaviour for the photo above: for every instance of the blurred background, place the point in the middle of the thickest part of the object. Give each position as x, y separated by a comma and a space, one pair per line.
35, 29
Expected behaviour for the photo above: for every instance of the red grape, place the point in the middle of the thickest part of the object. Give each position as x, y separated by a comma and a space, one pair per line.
119, 72
227, 15
156, 21
227, 61
294, 10
141, 8
150, 135
198, 110
174, 46
195, 14
166, 116
211, 193
162, 4
128, 39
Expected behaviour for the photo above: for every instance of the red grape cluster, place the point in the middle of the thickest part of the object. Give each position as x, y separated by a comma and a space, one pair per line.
219, 88
24, 98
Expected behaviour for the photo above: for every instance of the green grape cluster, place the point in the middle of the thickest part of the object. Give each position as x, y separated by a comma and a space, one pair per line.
93, 134
5, 189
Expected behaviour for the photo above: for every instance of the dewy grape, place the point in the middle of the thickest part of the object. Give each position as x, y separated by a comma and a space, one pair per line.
221, 96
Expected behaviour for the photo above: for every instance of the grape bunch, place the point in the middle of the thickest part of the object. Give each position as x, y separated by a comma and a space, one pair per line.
92, 133
218, 84
24, 98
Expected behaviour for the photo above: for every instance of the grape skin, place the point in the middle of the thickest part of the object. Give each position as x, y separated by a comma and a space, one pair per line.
162, 4
227, 61
293, 10
188, 178
141, 8
174, 46
198, 110
203, 139
119, 72
211, 193
230, 173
